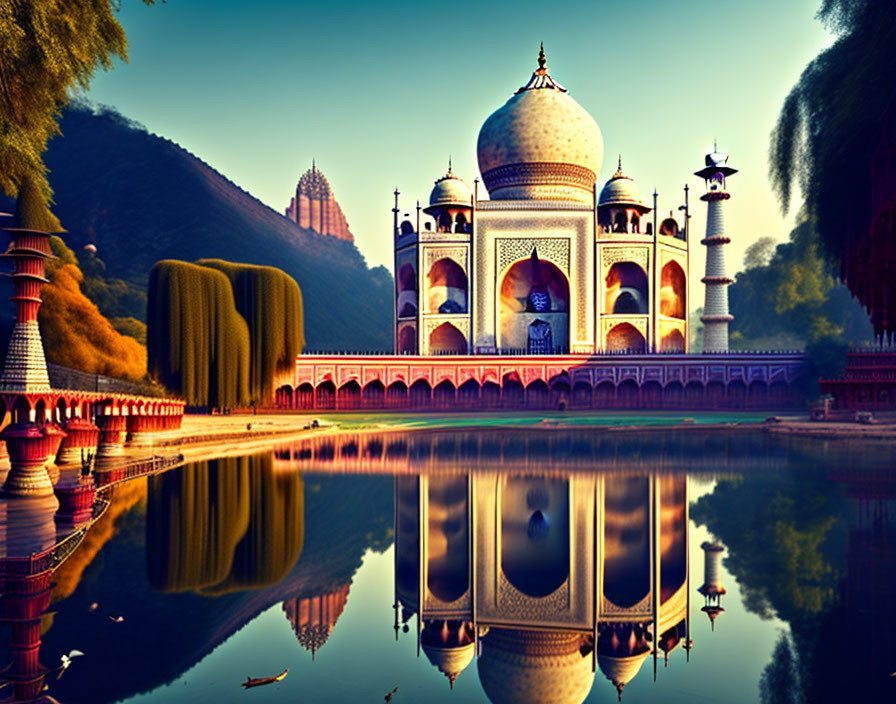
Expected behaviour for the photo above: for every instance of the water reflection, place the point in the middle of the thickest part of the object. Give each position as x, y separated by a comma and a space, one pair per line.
225, 525
533, 571
553, 584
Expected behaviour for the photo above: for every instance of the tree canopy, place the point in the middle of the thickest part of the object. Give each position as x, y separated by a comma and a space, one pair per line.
75, 333
47, 48
197, 342
271, 303
835, 140
792, 298
219, 333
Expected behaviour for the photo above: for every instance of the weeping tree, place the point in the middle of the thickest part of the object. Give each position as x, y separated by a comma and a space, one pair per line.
835, 141
271, 303
197, 342
275, 536
195, 518
224, 526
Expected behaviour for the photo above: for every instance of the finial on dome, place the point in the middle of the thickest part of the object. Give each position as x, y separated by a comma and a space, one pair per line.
619, 687
541, 78
449, 163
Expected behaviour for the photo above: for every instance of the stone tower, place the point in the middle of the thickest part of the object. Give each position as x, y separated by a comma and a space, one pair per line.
715, 310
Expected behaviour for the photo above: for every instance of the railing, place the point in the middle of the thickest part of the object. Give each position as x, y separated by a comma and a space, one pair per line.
51, 559
76, 380
132, 470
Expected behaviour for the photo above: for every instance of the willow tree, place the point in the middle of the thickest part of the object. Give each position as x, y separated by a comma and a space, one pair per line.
275, 535
223, 526
195, 518
46, 50
197, 342
271, 303
835, 141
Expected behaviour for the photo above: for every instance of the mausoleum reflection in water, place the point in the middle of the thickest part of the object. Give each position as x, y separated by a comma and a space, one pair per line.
556, 585
530, 572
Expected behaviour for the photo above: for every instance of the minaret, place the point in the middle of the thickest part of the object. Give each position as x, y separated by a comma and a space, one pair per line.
712, 588
715, 310
25, 369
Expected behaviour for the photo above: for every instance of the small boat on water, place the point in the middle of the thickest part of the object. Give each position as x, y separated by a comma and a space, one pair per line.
259, 681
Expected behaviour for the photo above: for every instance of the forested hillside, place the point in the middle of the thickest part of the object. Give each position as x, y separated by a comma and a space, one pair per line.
139, 198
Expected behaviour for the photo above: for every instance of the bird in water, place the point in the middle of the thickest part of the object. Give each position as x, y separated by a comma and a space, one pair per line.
388, 697
66, 660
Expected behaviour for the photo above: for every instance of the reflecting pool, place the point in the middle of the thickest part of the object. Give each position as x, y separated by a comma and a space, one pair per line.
528, 564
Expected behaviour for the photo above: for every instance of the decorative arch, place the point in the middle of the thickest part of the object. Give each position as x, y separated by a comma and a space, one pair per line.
669, 227
447, 339
325, 395
468, 393
533, 289
348, 396
397, 395
407, 292
374, 394
672, 342
444, 394
626, 289
627, 567
420, 394
407, 340
21, 410
447, 288
304, 396
535, 534
673, 291
625, 337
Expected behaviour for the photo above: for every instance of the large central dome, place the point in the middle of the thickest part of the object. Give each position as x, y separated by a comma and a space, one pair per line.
540, 144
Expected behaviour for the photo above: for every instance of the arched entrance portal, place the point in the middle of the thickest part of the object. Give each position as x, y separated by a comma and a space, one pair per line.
672, 342
534, 307
447, 339
626, 289
673, 301
447, 289
625, 338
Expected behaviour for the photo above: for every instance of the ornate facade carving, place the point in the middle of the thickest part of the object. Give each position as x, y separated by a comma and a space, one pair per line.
553, 249
633, 253
456, 254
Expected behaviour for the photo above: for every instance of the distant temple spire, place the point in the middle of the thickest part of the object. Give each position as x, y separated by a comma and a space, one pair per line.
315, 208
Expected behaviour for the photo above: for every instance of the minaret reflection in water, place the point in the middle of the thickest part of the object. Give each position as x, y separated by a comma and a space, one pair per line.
529, 573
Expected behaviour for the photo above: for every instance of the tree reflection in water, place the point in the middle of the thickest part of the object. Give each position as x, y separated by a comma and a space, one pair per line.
808, 530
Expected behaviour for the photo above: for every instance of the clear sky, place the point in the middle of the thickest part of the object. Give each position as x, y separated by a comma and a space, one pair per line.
380, 93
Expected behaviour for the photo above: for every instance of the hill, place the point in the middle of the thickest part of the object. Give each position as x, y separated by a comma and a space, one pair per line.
140, 198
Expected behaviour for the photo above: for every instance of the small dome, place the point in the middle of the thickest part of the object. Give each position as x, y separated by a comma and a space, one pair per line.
518, 667
621, 190
450, 190
450, 661
621, 671
540, 144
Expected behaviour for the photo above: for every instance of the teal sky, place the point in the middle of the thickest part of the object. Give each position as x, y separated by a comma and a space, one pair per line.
380, 94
